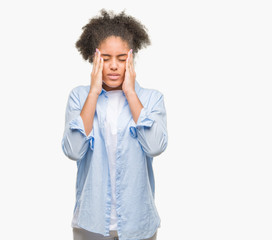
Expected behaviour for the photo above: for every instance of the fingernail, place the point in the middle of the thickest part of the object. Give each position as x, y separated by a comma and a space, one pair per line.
97, 50
131, 50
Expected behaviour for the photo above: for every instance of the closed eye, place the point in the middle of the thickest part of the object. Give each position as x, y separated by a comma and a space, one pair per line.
122, 60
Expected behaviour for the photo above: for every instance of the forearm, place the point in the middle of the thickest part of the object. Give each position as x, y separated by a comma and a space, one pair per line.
151, 127
135, 104
88, 111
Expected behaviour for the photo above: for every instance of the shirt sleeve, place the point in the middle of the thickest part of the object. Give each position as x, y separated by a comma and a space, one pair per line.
75, 142
151, 127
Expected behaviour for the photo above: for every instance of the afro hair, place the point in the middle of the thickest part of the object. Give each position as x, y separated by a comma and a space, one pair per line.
109, 24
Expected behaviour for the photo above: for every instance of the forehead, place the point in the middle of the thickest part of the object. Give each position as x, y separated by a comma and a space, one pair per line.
113, 45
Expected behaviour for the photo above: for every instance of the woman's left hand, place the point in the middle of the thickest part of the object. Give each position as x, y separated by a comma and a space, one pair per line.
130, 75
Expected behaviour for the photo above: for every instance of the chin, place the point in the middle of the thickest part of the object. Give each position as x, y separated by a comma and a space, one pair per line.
113, 83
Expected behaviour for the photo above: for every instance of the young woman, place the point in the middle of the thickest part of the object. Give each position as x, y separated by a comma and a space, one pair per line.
113, 129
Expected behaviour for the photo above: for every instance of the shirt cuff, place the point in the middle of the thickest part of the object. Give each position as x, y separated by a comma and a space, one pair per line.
144, 120
77, 123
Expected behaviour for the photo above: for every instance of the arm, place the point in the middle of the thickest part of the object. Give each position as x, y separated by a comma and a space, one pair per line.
151, 127
78, 133
75, 141
88, 111
135, 104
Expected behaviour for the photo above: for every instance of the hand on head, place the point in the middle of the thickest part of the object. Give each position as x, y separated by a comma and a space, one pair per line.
130, 74
96, 75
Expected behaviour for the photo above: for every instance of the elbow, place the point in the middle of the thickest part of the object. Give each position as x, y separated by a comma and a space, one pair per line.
69, 152
158, 148
75, 145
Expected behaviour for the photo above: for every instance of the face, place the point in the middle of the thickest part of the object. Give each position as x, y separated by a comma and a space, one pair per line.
114, 51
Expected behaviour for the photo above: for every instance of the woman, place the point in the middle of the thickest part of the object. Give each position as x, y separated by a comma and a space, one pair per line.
113, 129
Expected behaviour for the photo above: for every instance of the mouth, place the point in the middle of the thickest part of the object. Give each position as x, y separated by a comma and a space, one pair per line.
113, 76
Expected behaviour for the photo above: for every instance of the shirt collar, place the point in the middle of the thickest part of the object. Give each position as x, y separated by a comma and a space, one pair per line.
137, 89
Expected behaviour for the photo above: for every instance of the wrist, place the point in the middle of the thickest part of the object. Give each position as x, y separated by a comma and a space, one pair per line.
94, 93
129, 93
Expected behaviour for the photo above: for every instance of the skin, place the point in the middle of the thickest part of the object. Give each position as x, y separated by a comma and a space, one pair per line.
112, 56
114, 52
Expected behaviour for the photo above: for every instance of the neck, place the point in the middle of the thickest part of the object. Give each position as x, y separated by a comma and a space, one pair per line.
107, 88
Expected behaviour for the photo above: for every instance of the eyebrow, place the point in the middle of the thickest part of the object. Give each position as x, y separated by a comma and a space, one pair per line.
108, 55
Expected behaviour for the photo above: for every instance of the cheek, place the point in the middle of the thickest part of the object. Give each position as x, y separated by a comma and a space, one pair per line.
104, 70
123, 68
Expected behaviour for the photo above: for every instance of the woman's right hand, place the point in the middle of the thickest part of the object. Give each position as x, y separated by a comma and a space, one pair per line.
96, 75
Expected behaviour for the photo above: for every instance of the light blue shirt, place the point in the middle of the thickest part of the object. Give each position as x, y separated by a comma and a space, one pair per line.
137, 144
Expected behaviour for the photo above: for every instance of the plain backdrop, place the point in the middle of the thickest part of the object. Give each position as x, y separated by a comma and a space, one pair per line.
211, 60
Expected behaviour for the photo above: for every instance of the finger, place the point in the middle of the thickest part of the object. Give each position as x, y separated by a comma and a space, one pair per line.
131, 57
130, 63
94, 61
100, 69
127, 61
97, 60
131, 67
98, 54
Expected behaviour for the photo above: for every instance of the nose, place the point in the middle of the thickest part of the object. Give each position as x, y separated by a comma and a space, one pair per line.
113, 65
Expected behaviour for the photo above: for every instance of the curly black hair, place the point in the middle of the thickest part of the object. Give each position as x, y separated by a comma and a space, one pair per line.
110, 24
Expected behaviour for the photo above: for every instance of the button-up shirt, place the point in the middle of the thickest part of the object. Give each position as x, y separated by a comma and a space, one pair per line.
137, 145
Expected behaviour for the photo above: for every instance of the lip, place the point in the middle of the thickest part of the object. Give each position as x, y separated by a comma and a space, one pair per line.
113, 76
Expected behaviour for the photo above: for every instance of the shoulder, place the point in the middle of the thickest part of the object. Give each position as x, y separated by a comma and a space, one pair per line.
80, 89
150, 94
78, 94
